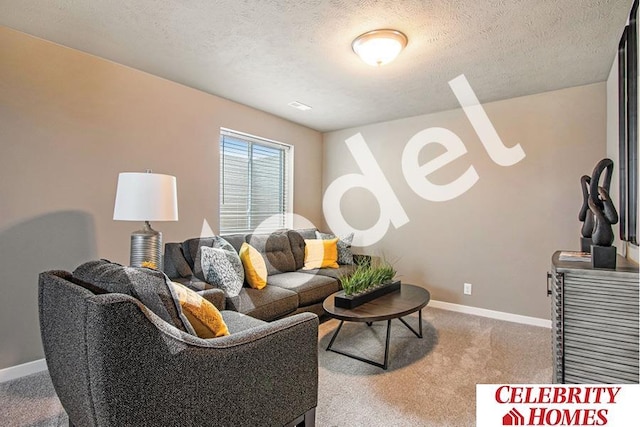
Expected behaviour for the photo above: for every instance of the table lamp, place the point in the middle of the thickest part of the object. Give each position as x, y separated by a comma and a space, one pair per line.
146, 197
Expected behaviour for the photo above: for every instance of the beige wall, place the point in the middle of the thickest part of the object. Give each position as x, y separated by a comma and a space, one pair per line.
69, 123
500, 234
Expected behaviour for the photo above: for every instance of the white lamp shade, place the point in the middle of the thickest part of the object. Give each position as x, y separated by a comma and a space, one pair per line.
146, 197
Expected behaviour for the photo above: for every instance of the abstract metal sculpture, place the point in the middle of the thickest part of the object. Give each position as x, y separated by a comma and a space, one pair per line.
603, 218
585, 215
600, 204
598, 213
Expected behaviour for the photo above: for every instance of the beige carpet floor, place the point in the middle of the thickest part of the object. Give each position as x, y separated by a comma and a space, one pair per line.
430, 381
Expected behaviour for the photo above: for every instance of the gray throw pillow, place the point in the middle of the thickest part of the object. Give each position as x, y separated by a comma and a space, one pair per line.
345, 256
223, 269
151, 287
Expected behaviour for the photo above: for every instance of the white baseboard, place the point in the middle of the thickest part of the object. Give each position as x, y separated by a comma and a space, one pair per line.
500, 315
14, 372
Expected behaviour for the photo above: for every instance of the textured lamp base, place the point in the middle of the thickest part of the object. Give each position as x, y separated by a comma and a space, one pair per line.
146, 248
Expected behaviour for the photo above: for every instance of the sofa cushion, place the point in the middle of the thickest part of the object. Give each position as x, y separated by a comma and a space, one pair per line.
175, 265
203, 317
236, 240
150, 287
310, 288
297, 247
222, 268
191, 247
269, 303
255, 269
335, 273
276, 250
238, 322
320, 253
307, 233
345, 256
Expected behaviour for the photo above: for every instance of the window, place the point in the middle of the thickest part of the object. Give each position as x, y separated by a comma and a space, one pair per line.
628, 129
254, 182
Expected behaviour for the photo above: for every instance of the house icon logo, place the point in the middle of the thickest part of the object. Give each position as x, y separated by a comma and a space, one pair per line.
513, 418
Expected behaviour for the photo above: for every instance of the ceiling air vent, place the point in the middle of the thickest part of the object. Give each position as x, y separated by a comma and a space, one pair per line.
299, 105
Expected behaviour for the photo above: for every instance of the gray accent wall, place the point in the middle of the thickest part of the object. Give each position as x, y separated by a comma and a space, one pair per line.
69, 123
500, 234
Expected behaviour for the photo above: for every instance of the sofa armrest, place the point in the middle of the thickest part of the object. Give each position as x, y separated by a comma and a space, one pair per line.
193, 283
232, 380
214, 296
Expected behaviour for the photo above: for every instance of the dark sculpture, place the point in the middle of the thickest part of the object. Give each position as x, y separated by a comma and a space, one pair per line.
597, 214
585, 216
604, 215
600, 204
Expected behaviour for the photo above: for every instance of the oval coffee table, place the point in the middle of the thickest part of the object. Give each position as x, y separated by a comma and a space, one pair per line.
395, 305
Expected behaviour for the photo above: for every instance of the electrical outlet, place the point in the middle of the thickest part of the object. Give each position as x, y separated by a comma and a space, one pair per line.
467, 288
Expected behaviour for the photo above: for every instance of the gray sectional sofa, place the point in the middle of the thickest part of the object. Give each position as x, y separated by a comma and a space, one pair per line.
290, 289
113, 335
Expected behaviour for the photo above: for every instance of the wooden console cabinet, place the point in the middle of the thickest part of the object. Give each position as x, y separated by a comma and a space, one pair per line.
594, 321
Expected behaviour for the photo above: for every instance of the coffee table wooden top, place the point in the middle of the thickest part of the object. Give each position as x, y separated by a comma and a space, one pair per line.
408, 300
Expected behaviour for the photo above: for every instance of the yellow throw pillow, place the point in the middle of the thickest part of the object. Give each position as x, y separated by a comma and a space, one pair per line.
206, 320
255, 269
320, 253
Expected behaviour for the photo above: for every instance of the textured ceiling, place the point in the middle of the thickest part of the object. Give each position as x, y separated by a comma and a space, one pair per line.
268, 53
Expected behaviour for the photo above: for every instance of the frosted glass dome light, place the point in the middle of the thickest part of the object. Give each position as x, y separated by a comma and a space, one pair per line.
379, 47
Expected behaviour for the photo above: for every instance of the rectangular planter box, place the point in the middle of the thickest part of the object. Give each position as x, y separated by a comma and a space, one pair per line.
351, 301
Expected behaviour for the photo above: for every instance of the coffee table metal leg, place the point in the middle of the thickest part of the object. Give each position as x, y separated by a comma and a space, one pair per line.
335, 334
362, 359
386, 346
418, 334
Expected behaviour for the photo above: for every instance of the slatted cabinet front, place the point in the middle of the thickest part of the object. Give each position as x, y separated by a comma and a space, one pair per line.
595, 323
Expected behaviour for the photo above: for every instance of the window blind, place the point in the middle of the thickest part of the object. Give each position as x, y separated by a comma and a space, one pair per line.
254, 182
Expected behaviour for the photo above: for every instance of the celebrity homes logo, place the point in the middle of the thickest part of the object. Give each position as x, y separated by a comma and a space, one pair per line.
513, 418
557, 405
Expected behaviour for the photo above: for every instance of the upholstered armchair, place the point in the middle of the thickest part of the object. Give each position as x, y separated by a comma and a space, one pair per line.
113, 362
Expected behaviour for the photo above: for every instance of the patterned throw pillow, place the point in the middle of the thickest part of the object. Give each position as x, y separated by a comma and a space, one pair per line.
345, 256
209, 242
223, 269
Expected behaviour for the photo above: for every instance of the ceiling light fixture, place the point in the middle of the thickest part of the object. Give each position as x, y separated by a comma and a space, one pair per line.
379, 47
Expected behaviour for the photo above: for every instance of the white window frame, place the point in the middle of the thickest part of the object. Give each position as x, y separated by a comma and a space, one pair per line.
287, 185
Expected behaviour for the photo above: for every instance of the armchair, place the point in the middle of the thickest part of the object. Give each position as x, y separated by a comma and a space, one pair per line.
113, 362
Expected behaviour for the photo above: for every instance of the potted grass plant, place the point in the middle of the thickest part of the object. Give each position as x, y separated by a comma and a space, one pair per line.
365, 284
